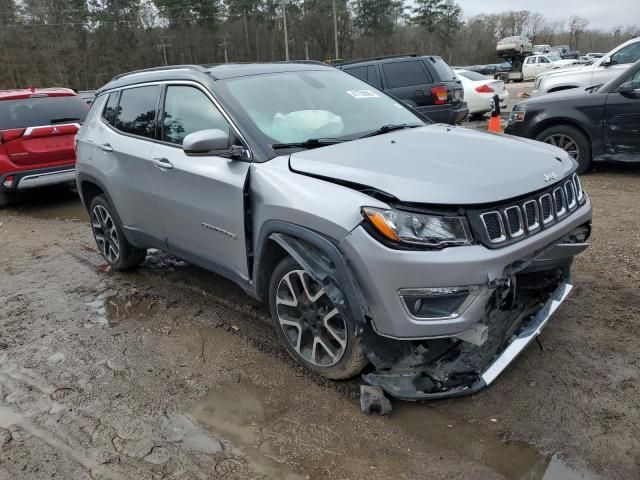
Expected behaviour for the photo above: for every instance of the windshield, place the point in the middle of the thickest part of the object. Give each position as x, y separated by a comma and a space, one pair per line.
297, 106
33, 112
554, 58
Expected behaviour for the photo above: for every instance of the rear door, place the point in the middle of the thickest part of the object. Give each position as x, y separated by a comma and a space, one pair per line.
122, 154
622, 123
38, 132
200, 198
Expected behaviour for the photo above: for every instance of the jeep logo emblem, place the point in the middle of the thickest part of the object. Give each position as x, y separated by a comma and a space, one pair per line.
549, 176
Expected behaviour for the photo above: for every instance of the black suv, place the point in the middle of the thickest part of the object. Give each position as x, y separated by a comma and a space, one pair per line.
426, 83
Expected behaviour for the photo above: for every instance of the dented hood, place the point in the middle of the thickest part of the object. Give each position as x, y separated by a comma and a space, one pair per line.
439, 164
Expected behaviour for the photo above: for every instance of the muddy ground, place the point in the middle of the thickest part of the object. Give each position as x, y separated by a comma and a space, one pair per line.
172, 372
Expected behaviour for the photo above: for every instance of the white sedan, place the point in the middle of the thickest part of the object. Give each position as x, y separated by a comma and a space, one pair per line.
479, 90
537, 64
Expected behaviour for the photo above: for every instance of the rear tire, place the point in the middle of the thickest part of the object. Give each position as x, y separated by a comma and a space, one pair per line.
111, 242
571, 140
305, 319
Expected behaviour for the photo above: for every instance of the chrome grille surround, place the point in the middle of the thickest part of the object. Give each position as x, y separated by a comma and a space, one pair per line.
519, 219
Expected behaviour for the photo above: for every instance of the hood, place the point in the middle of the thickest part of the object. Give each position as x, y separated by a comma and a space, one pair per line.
562, 71
439, 164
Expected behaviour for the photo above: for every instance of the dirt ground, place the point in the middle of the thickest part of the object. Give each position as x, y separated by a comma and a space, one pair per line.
172, 372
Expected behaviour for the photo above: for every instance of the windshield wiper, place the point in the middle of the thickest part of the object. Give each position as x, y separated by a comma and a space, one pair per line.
310, 143
594, 88
389, 128
64, 119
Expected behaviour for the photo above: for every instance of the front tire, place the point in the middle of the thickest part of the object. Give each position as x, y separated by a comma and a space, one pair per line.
312, 330
111, 242
572, 141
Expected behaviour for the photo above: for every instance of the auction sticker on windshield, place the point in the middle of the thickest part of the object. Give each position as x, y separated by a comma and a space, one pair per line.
362, 93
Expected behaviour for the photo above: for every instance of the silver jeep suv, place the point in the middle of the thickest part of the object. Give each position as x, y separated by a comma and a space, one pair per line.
428, 256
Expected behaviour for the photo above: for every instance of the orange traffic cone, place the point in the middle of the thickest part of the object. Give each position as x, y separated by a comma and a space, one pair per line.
494, 124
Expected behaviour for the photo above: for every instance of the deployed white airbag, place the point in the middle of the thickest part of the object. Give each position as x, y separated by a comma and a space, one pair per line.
302, 125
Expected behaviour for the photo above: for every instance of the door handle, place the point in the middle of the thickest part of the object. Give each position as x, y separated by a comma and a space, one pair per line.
162, 163
105, 147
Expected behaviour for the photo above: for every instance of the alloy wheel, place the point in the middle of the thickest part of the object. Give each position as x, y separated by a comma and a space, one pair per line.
105, 233
312, 325
564, 142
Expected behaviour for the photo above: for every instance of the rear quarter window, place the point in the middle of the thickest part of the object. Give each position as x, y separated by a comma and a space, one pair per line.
442, 69
109, 112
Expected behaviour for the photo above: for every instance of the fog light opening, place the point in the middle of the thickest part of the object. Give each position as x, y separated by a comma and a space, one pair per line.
438, 302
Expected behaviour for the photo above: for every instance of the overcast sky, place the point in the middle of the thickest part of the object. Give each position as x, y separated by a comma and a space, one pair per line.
600, 13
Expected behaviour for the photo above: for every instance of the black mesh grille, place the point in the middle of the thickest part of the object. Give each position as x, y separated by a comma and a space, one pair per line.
559, 200
545, 205
568, 188
492, 222
514, 219
531, 214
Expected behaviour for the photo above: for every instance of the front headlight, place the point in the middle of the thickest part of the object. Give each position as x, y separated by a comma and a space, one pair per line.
419, 229
517, 116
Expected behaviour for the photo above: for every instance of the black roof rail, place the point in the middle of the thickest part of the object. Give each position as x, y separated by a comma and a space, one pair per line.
384, 57
198, 68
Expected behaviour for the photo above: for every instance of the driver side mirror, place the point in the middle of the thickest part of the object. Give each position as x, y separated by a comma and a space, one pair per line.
607, 62
628, 89
213, 141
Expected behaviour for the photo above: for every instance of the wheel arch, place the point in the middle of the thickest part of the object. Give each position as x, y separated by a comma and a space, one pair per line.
561, 121
318, 255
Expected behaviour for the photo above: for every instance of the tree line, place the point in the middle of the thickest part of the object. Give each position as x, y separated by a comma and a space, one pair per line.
83, 43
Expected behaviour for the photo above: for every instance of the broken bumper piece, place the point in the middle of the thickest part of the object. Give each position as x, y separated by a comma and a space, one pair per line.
416, 382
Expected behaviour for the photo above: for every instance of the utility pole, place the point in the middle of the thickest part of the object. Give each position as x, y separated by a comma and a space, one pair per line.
335, 28
306, 50
224, 46
164, 46
286, 38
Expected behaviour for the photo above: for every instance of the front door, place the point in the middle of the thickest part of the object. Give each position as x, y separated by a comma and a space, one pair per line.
622, 123
200, 198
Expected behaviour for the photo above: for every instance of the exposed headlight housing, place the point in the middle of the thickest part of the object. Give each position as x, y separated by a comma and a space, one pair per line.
419, 229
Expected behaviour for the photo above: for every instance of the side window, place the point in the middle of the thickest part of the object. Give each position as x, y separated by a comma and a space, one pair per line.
372, 75
405, 74
360, 72
531, 60
137, 111
629, 54
109, 111
544, 60
187, 110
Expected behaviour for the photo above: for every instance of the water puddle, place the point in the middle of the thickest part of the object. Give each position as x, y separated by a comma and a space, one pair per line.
115, 309
513, 460
272, 432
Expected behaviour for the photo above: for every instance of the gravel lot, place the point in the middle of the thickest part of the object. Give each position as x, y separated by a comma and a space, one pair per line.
171, 371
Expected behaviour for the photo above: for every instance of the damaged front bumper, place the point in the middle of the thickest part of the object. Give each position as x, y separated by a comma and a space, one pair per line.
408, 383
513, 291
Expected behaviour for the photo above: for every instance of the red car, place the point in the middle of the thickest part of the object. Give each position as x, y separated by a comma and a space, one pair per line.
37, 130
